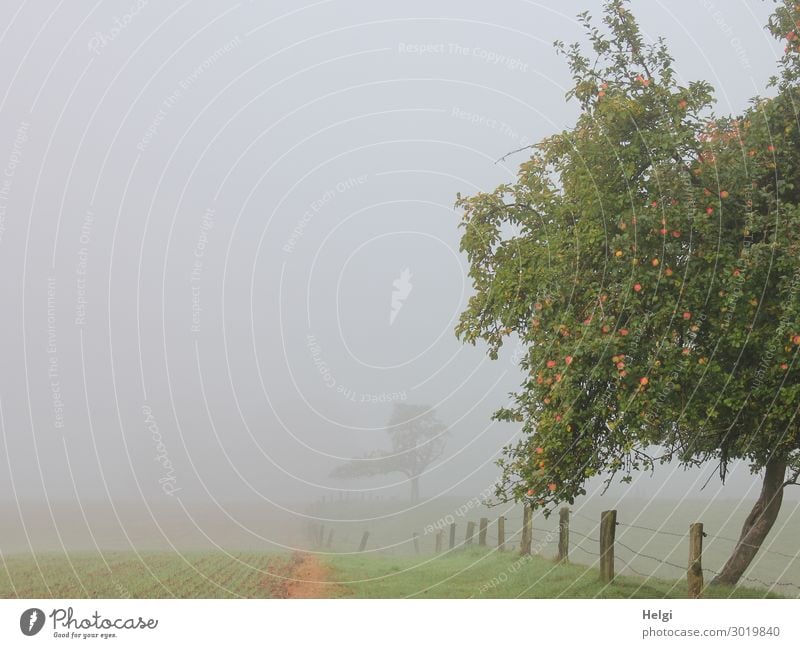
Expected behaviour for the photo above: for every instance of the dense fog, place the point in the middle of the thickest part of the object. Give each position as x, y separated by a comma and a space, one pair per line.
229, 251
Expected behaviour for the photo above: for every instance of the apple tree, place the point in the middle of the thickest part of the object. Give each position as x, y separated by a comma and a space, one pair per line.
647, 260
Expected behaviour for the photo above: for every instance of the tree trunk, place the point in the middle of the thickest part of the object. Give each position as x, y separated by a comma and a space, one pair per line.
415, 489
757, 525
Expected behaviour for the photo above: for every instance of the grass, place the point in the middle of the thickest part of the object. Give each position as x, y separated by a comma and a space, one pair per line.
476, 573
201, 574
651, 538
465, 573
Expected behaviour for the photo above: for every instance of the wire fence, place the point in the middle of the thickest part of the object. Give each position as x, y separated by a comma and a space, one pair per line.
676, 534
514, 534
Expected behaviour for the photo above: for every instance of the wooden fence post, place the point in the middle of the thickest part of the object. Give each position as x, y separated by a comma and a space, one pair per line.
694, 575
364, 539
439, 535
321, 541
563, 535
416, 543
470, 533
608, 529
453, 535
527, 531
501, 533
330, 539
482, 532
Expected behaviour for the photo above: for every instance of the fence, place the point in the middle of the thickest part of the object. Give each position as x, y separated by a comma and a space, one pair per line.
695, 569
607, 544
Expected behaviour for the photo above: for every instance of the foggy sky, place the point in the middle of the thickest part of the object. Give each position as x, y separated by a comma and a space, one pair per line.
204, 208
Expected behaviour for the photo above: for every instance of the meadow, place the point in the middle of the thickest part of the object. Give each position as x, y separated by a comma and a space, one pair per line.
651, 555
463, 573
123, 575
651, 537
481, 573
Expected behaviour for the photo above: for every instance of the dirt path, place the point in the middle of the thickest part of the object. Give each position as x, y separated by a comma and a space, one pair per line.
308, 578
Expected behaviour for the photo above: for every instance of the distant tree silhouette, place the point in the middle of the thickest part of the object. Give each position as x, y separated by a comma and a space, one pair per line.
417, 440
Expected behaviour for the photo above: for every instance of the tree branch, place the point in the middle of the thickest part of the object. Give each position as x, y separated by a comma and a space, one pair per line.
519, 150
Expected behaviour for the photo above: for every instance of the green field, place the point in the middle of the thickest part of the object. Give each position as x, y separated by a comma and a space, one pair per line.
651, 549
651, 537
149, 575
477, 573
465, 573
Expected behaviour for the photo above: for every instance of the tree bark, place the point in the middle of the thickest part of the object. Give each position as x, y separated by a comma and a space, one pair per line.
757, 525
415, 489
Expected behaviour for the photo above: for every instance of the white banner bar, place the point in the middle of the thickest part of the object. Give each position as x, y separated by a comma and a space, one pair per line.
385, 623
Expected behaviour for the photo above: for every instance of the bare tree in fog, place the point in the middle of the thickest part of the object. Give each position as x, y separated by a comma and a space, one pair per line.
417, 440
